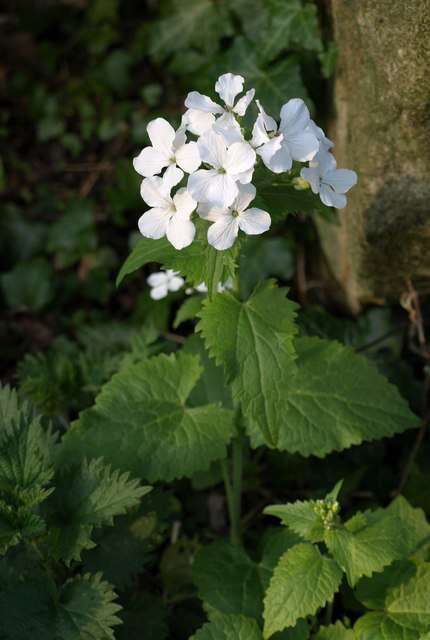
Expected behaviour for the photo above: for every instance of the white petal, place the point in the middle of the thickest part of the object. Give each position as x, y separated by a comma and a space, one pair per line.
153, 223
157, 293
157, 279
325, 161
228, 127
202, 288
209, 212
302, 145
242, 105
184, 202
198, 122
312, 176
259, 133
240, 157
269, 122
149, 162
188, 157
153, 193
254, 221
161, 134
245, 177
212, 149
294, 116
180, 231
245, 196
276, 155
219, 189
332, 199
325, 143
196, 100
223, 232
175, 283
341, 179
170, 179
180, 138
228, 86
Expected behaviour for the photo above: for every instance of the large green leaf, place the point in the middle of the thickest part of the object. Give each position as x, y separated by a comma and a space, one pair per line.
229, 627
141, 421
254, 341
303, 581
335, 632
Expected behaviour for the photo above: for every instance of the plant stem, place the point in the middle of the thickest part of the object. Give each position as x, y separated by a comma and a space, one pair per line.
233, 489
214, 270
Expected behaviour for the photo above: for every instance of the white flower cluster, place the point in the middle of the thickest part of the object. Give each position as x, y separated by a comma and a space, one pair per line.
163, 282
221, 162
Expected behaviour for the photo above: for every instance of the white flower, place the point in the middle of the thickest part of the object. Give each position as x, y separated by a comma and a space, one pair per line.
169, 147
329, 182
324, 142
228, 220
202, 288
164, 281
292, 140
168, 216
228, 86
232, 163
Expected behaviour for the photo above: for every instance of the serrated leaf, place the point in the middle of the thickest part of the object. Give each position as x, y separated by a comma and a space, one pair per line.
301, 517
141, 421
373, 591
276, 543
254, 342
211, 386
188, 310
303, 581
377, 626
335, 632
229, 627
87, 610
228, 580
336, 400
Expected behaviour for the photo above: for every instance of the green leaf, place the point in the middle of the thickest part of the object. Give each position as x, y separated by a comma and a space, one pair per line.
261, 258
211, 387
373, 591
254, 342
301, 517
228, 580
141, 422
229, 627
27, 610
87, 610
73, 234
188, 310
87, 497
276, 542
336, 400
29, 285
335, 632
303, 581
377, 626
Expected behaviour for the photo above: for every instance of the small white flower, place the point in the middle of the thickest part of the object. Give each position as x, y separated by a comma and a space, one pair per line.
231, 164
202, 288
164, 281
329, 182
324, 142
292, 140
228, 220
228, 86
169, 147
168, 216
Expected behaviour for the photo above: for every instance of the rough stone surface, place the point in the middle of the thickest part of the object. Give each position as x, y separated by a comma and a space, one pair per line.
381, 128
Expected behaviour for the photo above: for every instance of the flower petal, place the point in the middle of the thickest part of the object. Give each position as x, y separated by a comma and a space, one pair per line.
188, 157
153, 223
254, 221
240, 157
198, 122
212, 149
180, 231
324, 160
259, 133
228, 86
228, 127
219, 189
209, 212
332, 199
325, 143
172, 176
153, 193
312, 175
242, 105
223, 232
162, 135
156, 279
184, 202
245, 196
149, 162
341, 179
302, 145
157, 293
294, 116
196, 100
276, 155
175, 283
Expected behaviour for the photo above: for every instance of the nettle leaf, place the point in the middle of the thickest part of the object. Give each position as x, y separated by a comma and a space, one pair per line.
229, 627
300, 517
337, 399
405, 612
188, 310
335, 632
87, 497
303, 581
86, 609
254, 342
141, 421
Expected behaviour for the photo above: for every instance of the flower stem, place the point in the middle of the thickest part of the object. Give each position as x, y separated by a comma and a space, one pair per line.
233, 489
215, 266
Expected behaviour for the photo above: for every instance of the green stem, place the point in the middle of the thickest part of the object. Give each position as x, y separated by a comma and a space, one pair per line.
214, 270
233, 489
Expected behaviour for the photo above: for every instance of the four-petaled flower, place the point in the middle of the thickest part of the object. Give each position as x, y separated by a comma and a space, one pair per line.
168, 216
230, 165
329, 182
162, 282
169, 147
227, 221
292, 140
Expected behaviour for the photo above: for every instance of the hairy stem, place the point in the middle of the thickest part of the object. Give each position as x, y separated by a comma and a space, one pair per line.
214, 270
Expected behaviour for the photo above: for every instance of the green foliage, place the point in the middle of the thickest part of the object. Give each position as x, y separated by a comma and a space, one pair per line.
29, 285
229, 627
335, 632
73, 234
